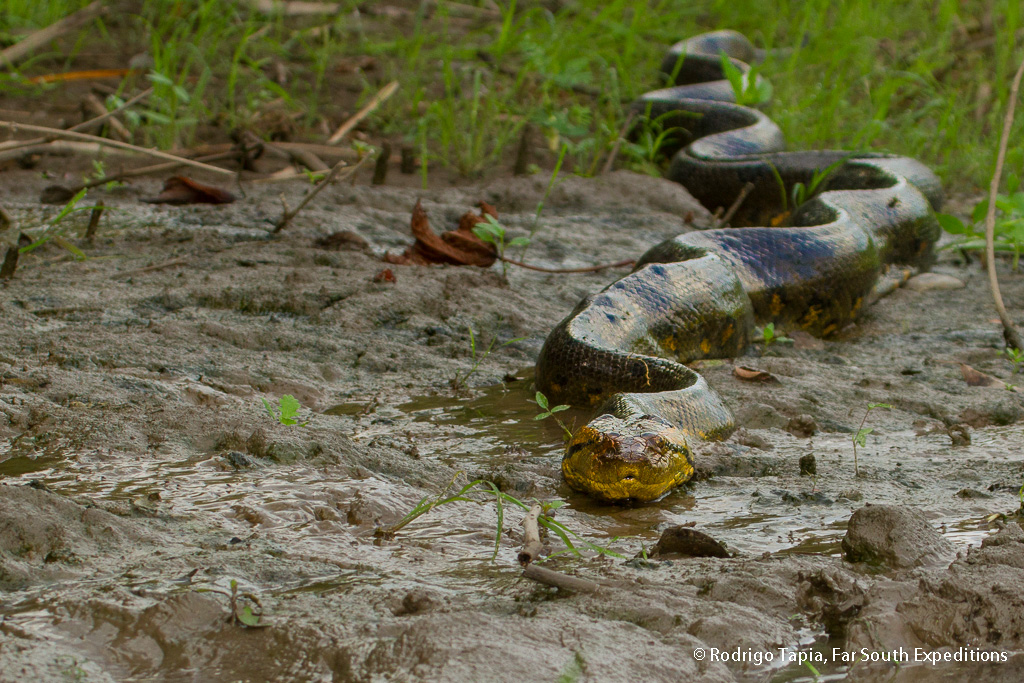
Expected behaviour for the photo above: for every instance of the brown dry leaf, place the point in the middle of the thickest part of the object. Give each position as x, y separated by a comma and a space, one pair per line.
458, 247
975, 378
181, 190
748, 374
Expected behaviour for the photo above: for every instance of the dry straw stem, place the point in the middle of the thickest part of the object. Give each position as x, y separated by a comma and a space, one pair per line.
33, 41
289, 214
71, 135
1010, 333
81, 127
378, 99
588, 269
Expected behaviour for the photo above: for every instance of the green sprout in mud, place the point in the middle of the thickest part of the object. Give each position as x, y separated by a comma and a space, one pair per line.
493, 232
769, 337
542, 401
458, 383
481, 491
860, 437
1016, 357
286, 411
814, 671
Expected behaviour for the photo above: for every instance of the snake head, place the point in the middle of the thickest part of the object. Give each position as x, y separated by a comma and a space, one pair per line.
622, 459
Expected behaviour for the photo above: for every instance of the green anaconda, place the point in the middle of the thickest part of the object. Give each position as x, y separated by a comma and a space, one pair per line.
700, 294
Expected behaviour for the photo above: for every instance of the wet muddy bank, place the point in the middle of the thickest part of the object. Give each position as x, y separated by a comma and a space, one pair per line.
141, 470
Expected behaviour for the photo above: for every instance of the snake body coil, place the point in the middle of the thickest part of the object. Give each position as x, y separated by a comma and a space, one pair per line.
699, 295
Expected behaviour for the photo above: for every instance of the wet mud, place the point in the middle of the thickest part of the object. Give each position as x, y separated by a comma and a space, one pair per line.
142, 481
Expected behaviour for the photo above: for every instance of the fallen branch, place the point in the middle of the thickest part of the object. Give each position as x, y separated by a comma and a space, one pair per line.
377, 100
588, 269
1010, 333
72, 135
289, 214
561, 581
31, 42
532, 546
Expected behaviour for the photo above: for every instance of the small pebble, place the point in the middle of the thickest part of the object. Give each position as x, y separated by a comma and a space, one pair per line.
927, 282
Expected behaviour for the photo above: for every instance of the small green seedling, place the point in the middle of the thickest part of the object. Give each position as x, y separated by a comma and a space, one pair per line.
286, 411
542, 401
768, 335
55, 231
458, 382
860, 437
493, 232
749, 90
1015, 356
814, 670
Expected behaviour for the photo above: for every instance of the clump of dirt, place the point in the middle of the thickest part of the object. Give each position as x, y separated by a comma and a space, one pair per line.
132, 387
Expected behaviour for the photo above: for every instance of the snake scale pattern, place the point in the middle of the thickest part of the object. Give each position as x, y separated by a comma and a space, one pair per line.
700, 294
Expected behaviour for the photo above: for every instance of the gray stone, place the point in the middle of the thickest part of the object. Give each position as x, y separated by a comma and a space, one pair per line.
895, 536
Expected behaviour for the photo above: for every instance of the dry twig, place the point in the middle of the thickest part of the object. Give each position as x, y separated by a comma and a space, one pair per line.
81, 127
618, 143
1010, 333
289, 214
377, 100
71, 135
747, 189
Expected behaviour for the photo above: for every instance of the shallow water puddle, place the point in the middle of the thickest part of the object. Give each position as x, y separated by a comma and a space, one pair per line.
310, 507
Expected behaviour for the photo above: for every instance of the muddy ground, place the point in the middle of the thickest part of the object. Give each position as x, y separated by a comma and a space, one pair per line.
141, 473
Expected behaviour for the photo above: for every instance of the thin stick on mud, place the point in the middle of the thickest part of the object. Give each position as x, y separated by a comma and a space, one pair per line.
724, 220
31, 42
561, 581
81, 127
71, 135
1010, 333
618, 143
588, 269
289, 214
377, 100
532, 546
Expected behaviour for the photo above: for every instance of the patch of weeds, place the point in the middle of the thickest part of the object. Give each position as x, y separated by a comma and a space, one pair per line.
54, 229
574, 669
241, 614
458, 383
860, 437
286, 411
1016, 358
1008, 232
749, 89
493, 232
542, 401
767, 334
481, 491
